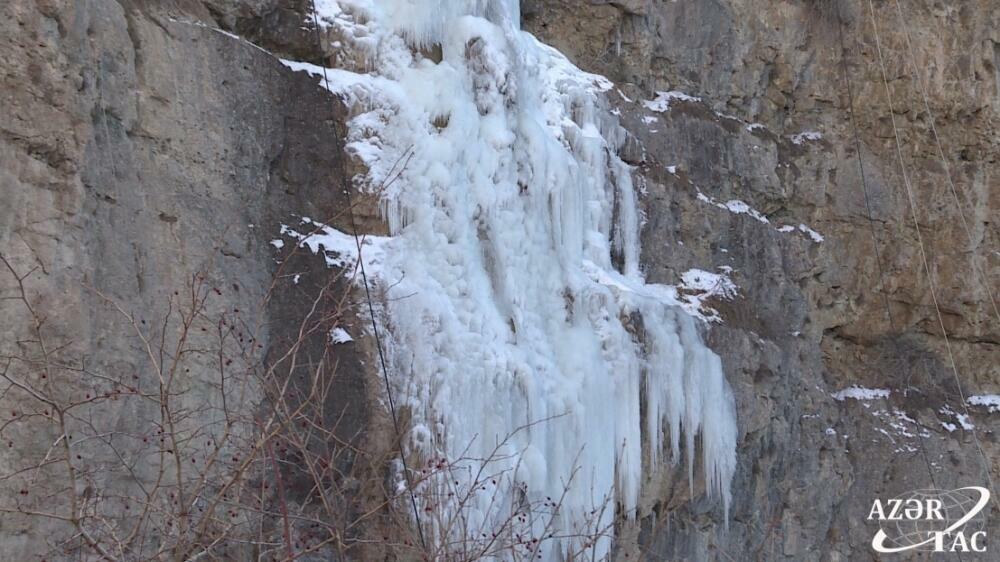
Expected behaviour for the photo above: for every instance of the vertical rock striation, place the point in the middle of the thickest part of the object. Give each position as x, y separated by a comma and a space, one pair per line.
144, 144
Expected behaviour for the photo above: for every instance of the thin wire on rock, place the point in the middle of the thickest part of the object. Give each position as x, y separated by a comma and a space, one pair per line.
871, 217
923, 251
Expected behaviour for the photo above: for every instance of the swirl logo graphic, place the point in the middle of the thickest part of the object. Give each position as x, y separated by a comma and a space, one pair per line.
932, 521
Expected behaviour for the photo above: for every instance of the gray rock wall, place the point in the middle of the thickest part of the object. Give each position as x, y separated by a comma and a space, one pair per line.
810, 319
143, 153
138, 145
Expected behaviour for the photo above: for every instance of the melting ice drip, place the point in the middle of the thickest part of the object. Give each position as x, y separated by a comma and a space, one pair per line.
518, 314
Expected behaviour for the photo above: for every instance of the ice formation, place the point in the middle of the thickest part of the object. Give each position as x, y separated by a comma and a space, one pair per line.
522, 334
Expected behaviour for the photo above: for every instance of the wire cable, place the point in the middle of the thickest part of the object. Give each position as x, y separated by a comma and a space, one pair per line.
864, 180
944, 161
923, 251
871, 219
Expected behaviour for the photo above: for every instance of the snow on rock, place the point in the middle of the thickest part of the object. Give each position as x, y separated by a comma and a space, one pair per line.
661, 102
815, 236
697, 286
708, 282
989, 401
902, 425
741, 208
963, 419
219, 31
339, 335
804, 136
508, 319
861, 393
738, 207
339, 249
735, 206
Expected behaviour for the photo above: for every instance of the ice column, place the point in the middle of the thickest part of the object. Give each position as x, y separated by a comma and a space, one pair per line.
519, 347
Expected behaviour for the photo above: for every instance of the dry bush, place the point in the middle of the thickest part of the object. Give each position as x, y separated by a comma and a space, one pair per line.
219, 448
182, 458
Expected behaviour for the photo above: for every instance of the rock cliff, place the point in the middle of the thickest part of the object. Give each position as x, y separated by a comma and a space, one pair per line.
811, 318
153, 148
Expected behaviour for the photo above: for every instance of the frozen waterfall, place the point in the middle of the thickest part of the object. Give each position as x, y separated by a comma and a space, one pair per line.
524, 342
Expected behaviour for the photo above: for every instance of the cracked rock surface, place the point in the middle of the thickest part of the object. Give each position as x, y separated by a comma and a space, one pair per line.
140, 146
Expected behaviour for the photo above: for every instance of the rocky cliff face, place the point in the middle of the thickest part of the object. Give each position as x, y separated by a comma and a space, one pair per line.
811, 319
147, 161
140, 147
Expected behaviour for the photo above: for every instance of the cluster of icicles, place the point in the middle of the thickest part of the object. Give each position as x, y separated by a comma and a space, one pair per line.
528, 350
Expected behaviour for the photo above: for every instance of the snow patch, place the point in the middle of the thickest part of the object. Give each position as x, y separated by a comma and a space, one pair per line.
901, 424
221, 32
963, 420
739, 207
735, 206
714, 284
989, 401
698, 286
339, 249
661, 103
861, 393
815, 236
339, 335
805, 136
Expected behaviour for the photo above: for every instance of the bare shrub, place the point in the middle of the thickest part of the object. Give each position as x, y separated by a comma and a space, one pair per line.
221, 448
